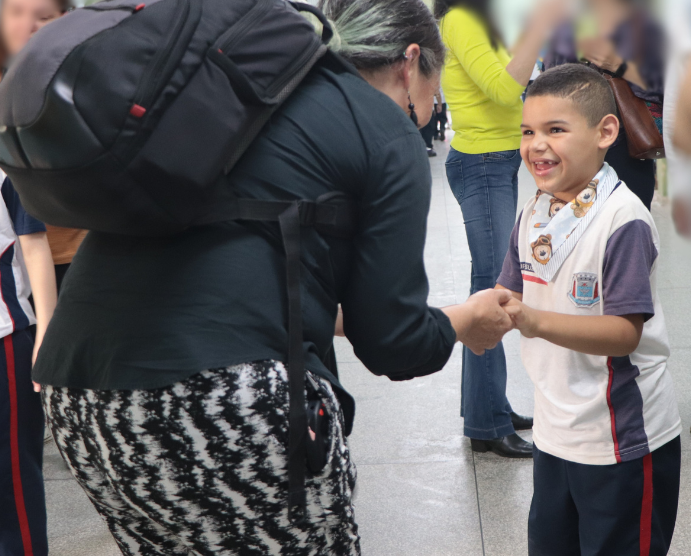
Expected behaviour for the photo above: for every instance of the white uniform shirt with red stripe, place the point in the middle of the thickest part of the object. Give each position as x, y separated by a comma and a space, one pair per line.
591, 409
15, 310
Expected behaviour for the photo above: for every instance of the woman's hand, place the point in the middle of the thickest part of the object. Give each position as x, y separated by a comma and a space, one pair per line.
481, 322
546, 17
602, 53
549, 14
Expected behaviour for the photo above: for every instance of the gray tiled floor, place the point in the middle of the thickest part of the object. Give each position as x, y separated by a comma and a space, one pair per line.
421, 491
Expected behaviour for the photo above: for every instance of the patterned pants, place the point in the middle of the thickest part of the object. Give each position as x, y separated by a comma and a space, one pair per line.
200, 467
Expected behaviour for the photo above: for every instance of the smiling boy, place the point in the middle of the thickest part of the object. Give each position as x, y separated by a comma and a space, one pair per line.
582, 267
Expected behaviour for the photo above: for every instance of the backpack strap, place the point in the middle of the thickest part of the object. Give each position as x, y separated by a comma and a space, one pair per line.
331, 214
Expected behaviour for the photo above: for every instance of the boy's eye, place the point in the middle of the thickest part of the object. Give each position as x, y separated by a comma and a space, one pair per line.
556, 130
527, 132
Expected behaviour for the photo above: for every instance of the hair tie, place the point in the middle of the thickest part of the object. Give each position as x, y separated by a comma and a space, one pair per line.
336, 42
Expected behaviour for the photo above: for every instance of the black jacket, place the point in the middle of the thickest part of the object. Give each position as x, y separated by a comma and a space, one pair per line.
145, 313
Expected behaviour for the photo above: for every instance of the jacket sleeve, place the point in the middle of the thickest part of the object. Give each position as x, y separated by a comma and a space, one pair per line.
386, 317
467, 39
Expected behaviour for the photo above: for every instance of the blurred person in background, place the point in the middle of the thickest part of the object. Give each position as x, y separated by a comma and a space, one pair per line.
427, 133
25, 267
677, 112
680, 166
621, 37
20, 20
440, 116
483, 85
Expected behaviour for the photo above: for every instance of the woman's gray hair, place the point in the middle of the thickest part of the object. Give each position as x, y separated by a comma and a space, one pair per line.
373, 34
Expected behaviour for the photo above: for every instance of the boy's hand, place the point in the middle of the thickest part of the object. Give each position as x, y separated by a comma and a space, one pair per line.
524, 318
37, 345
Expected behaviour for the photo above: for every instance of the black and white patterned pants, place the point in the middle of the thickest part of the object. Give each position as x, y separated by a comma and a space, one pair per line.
200, 467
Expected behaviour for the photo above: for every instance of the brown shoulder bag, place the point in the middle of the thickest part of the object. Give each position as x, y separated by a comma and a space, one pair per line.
642, 135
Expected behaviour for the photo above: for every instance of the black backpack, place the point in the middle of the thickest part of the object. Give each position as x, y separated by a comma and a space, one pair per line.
126, 117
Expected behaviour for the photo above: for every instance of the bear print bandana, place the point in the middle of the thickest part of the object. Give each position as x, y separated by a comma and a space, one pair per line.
556, 226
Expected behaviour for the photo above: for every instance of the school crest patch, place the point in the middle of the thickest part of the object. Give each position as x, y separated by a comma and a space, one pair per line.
585, 289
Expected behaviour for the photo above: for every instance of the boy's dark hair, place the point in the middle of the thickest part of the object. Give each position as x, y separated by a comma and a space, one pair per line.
588, 90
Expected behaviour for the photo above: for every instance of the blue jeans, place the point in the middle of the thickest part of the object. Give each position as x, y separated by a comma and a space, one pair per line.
486, 187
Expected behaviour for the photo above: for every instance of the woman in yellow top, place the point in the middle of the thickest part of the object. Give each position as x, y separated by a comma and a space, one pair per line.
483, 85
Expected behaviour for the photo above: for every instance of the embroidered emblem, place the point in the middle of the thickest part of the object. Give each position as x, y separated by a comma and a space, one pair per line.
542, 249
585, 290
582, 204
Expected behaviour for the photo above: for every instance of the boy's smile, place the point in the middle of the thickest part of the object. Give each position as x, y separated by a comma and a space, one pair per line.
562, 151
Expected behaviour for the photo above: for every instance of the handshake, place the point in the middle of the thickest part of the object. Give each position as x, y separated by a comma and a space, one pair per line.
483, 320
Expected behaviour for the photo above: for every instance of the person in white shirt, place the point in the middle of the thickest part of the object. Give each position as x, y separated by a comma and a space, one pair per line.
582, 267
26, 268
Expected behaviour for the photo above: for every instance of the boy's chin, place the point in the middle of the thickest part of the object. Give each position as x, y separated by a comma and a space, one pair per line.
549, 185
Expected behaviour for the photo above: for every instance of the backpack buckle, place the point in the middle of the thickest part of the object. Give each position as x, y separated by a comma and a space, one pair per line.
308, 213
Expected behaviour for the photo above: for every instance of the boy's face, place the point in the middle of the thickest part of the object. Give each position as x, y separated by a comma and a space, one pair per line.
562, 152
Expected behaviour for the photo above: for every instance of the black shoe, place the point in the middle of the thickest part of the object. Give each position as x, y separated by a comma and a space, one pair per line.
512, 446
520, 422
431, 153
442, 136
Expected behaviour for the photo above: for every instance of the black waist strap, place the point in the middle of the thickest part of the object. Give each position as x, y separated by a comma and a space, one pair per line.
331, 214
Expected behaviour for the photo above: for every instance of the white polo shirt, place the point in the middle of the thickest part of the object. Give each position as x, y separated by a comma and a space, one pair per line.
591, 409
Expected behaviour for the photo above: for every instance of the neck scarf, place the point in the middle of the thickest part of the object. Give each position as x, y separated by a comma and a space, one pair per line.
556, 225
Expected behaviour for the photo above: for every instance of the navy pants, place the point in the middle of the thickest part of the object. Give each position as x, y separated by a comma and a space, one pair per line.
22, 498
486, 187
625, 509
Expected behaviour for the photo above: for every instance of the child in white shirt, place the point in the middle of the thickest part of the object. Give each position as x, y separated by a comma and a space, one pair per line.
582, 267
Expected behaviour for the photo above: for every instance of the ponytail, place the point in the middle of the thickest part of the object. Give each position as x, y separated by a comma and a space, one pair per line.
373, 34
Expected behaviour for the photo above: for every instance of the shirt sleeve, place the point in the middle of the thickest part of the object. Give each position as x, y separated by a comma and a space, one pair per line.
385, 312
511, 276
467, 39
629, 258
23, 223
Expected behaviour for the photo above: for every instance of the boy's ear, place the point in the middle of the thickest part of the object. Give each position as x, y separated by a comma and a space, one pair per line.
609, 131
